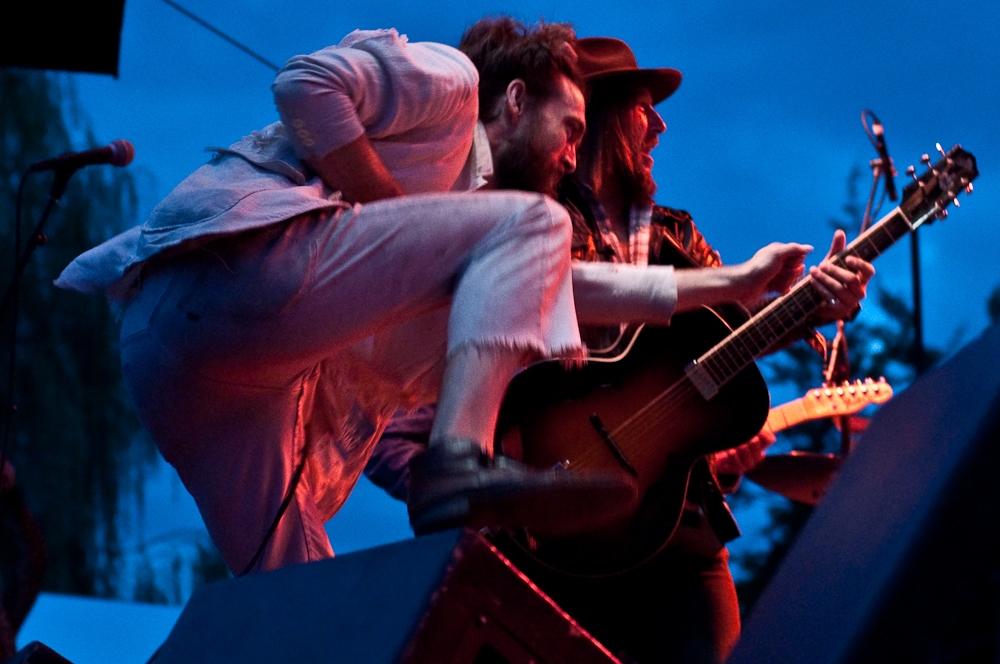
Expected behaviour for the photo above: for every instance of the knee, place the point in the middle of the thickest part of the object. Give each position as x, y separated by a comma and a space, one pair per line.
541, 213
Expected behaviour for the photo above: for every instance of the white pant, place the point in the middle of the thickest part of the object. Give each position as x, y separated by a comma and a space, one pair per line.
239, 354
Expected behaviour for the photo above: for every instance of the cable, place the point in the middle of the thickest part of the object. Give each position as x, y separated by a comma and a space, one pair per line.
8, 404
220, 33
292, 487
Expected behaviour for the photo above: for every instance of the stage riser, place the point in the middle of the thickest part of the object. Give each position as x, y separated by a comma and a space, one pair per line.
447, 598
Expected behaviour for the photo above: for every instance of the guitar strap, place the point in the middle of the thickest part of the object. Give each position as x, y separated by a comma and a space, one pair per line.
704, 490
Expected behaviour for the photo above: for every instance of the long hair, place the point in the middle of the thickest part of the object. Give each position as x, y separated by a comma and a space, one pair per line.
613, 145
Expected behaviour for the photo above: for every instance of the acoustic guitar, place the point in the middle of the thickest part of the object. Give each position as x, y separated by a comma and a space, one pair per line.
678, 393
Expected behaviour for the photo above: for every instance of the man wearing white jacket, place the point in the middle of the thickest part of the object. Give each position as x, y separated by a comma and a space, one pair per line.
289, 295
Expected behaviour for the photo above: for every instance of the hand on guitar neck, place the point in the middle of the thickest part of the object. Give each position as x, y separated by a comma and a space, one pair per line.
775, 269
772, 269
738, 460
842, 288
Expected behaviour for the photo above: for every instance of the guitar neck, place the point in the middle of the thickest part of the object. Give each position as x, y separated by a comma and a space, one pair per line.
786, 416
768, 327
924, 200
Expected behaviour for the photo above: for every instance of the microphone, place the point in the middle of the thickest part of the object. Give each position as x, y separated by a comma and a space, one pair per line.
883, 153
118, 153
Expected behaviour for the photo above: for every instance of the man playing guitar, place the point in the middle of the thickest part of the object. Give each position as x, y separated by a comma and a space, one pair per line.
681, 604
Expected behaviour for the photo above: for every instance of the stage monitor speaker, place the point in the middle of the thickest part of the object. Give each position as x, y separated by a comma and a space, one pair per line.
901, 560
37, 652
449, 598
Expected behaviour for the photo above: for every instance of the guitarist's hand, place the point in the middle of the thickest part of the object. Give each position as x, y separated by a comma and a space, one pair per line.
773, 269
842, 289
740, 459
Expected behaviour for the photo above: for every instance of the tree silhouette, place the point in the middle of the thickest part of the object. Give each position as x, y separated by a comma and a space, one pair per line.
75, 439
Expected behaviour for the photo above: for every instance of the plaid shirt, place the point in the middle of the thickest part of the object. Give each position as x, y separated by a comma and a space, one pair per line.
658, 235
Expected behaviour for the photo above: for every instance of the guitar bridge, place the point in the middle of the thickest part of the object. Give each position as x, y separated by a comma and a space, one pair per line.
617, 451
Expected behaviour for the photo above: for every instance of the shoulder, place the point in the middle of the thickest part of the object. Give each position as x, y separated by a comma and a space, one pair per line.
671, 217
399, 58
673, 231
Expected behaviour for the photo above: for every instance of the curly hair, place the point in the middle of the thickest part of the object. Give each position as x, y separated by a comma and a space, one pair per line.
504, 49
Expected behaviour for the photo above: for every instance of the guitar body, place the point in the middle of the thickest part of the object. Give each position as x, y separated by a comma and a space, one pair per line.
656, 425
642, 415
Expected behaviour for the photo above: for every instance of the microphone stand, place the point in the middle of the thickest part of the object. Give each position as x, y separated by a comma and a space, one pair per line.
37, 237
919, 353
838, 371
9, 303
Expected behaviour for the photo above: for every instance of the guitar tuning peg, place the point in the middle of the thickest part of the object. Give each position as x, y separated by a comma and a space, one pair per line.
912, 172
926, 161
955, 201
968, 188
944, 154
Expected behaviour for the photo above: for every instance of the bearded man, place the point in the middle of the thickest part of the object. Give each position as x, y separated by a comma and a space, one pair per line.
269, 301
681, 605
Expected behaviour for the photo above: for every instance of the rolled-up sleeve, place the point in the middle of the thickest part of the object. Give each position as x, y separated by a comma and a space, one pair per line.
611, 293
374, 83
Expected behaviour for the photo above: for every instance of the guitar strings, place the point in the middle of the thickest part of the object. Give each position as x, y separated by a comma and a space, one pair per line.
733, 355
804, 300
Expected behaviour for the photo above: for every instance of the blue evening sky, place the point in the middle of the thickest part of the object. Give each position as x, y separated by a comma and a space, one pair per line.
762, 132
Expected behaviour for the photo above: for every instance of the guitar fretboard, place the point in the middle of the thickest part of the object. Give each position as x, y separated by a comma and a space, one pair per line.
773, 323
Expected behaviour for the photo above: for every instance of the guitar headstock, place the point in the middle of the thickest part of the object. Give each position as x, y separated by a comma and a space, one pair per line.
928, 196
846, 398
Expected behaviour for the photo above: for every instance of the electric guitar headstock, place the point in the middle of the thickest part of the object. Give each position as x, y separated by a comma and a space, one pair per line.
846, 398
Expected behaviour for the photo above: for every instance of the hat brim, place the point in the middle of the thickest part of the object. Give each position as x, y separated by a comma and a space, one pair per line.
661, 83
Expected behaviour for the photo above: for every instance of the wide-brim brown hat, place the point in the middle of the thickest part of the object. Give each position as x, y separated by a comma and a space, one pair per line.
609, 62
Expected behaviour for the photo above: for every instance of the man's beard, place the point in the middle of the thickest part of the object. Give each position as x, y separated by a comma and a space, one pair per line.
633, 172
619, 152
521, 164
